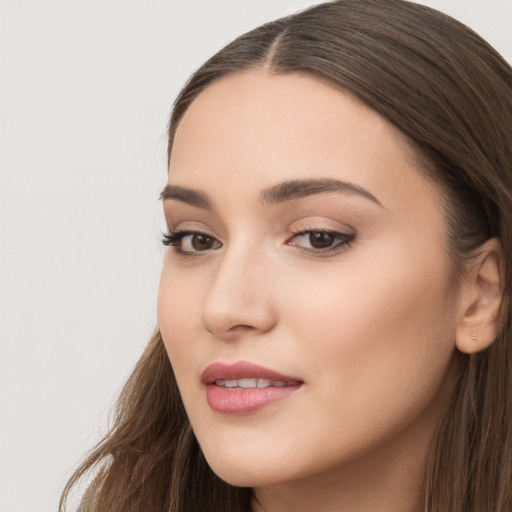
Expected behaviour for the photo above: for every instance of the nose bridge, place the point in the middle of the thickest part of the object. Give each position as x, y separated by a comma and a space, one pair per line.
239, 298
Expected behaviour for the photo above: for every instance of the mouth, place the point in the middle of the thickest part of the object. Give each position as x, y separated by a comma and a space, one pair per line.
244, 387
254, 382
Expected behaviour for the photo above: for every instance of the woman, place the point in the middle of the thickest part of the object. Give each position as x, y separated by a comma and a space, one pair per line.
334, 301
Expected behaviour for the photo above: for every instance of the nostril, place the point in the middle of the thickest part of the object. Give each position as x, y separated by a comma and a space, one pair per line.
242, 328
235, 329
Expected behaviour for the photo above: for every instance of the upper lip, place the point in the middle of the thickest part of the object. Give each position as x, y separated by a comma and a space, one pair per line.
242, 370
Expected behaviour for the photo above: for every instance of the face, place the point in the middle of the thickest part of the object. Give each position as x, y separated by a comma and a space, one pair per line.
306, 301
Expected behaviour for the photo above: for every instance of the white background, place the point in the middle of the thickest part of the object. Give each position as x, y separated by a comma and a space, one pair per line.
85, 91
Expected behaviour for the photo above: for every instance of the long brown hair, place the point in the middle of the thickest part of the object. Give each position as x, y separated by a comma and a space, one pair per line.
450, 93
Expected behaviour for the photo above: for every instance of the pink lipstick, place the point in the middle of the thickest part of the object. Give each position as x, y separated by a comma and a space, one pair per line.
244, 387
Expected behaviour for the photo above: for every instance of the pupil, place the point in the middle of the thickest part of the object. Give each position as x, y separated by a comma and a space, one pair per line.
320, 240
201, 242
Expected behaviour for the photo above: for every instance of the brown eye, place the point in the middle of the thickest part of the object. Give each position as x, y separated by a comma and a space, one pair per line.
320, 239
321, 242
202, 242
190, 242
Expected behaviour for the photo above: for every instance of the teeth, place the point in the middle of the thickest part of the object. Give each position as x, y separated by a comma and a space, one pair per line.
253, 383
247, 383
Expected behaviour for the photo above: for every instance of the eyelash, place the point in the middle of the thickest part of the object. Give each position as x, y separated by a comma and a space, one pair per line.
340, 241
174, 239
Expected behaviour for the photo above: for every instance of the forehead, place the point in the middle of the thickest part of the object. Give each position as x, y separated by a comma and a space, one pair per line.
253, 129
275, 108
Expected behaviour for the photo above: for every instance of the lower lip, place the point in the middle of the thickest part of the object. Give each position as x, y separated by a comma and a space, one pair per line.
243, 401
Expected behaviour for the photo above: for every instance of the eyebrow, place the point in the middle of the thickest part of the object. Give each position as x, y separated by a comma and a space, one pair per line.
280, 193
186, 195
297, 189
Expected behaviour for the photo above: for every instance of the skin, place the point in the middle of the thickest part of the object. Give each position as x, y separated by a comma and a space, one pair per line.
369, 327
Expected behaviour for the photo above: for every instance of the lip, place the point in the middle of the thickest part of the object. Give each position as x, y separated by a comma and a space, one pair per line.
241, 370
244, 400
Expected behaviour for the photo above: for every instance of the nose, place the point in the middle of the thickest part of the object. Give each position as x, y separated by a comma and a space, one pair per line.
240, 298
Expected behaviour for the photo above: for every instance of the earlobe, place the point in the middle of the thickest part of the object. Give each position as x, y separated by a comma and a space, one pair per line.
481, 299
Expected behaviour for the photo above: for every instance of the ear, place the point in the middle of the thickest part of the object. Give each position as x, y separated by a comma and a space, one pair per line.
481, 296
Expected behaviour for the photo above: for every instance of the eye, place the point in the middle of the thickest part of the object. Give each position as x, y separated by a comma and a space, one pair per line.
321, 241
190, 242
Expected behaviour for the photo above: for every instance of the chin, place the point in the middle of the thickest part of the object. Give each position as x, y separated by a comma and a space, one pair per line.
239, 472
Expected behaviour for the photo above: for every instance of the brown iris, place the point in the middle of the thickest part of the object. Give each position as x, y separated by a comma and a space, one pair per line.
321, 239
202, 242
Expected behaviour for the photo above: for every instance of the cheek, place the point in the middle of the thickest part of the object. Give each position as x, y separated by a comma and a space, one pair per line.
178, 314
398, 291
374, 328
